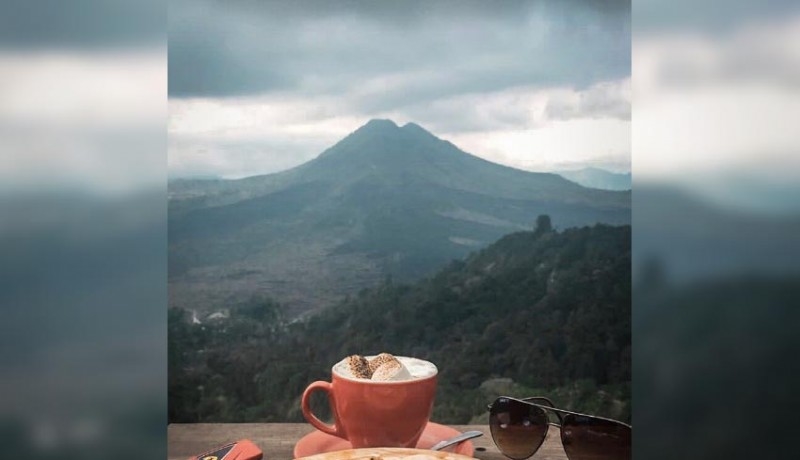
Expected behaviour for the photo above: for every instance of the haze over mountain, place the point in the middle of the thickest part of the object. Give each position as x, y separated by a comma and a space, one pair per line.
598, 178
385, 200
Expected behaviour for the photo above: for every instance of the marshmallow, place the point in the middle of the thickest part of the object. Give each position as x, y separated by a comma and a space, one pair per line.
391, 370
359, 367
375, 362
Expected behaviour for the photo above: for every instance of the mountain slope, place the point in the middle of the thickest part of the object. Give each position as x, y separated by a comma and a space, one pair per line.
385, 200
546, 310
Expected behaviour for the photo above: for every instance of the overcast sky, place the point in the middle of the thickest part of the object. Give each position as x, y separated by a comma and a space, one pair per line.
259, 86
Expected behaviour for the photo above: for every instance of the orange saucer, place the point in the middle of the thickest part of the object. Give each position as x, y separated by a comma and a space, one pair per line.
318, 442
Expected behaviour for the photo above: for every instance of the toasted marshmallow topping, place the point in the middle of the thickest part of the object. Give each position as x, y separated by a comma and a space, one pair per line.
391, 370
375, 362
359, 367
384, 368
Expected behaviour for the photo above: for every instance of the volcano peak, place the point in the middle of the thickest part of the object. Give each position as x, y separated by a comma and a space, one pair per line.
380, 123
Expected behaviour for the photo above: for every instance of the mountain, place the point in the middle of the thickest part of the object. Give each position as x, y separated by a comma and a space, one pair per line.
384, 201
598, 178
544, 313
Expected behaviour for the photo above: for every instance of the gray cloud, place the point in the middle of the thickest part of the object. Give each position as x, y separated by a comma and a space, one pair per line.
81, 24
387, 55
473, 113
278, 73
192, 157
715, 16
600, 101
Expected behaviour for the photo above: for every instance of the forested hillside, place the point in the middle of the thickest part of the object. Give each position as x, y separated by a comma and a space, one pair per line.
544, 311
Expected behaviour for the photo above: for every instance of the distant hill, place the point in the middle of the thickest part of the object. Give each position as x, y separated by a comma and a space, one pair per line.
536, 312
385, 200
598, 178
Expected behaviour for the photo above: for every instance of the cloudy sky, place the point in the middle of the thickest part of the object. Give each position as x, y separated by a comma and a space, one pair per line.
260, 86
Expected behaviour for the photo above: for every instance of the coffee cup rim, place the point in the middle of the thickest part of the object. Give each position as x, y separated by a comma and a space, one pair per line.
386, 382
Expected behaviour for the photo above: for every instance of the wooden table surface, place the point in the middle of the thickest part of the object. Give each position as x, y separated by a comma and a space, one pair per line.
277, 440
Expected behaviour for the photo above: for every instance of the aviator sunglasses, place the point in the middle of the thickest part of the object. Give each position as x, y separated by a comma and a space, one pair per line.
519, 427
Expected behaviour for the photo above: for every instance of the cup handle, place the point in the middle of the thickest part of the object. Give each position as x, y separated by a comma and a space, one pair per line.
334, 429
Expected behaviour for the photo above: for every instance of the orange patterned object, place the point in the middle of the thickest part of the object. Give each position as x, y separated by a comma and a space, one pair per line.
243, 449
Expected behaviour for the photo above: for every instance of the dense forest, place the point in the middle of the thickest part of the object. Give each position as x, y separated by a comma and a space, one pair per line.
540, 312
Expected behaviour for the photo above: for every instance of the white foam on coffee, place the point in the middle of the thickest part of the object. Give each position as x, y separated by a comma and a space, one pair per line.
419, 369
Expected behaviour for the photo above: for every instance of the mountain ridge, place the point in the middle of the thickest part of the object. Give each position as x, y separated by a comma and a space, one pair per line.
380, 130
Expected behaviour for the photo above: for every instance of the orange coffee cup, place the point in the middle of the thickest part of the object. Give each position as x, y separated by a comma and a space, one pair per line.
371, 413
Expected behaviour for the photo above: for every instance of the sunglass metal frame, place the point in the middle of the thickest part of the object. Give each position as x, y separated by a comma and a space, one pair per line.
546, 404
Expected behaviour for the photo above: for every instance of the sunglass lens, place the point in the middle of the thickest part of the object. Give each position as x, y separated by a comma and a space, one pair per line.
589, 438
518, 429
